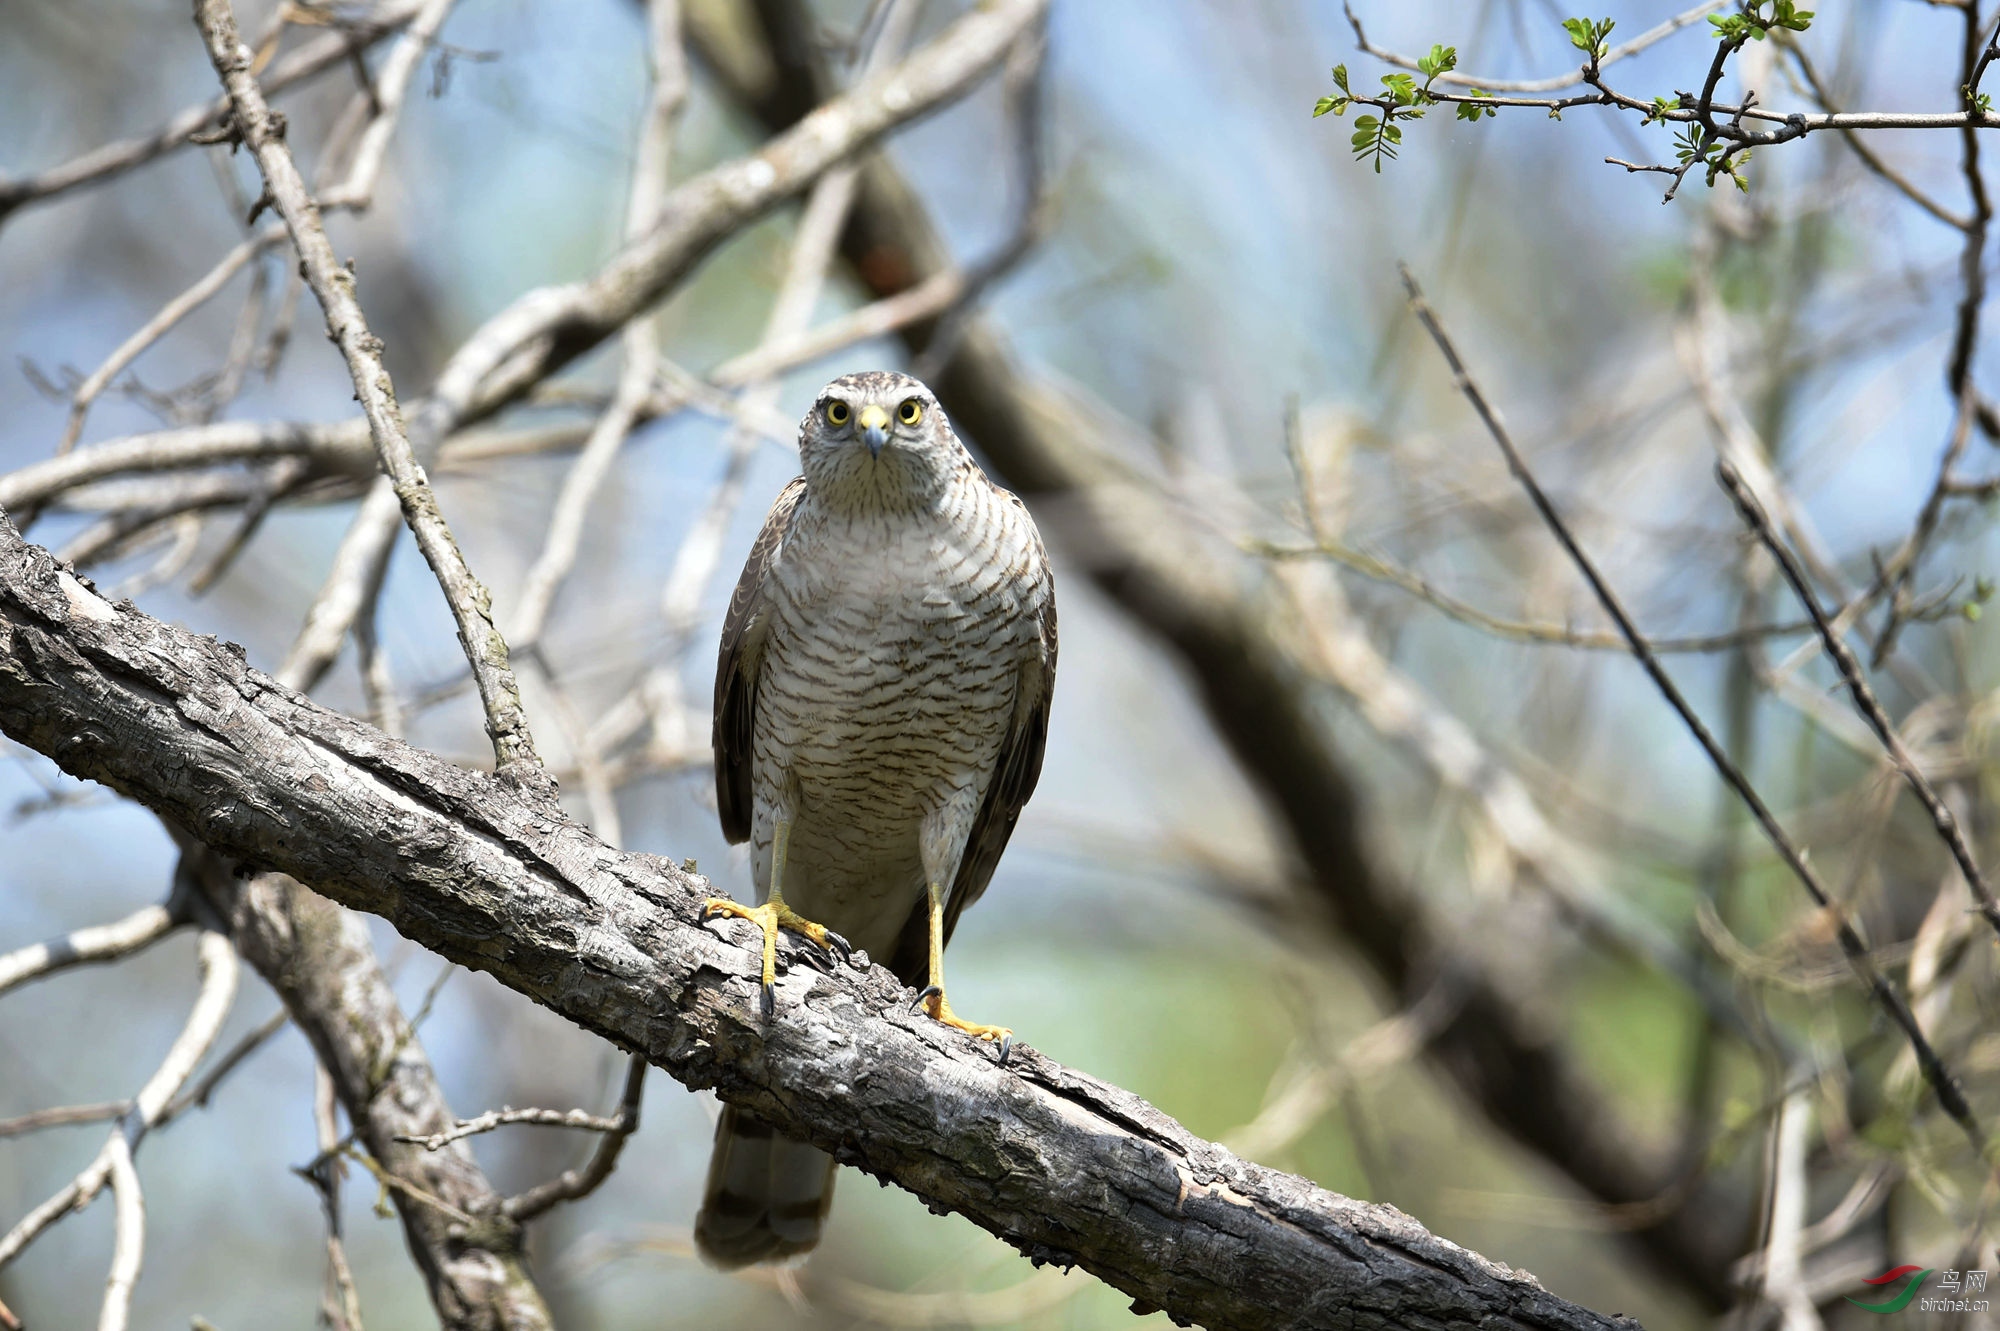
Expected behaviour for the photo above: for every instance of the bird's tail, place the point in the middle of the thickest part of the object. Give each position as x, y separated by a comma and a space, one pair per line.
767, 1196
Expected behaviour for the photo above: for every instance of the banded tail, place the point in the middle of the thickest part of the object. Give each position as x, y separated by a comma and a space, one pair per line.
767, 1196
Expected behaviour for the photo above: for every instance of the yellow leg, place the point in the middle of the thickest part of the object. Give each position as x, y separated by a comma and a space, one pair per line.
774, 915
932, 998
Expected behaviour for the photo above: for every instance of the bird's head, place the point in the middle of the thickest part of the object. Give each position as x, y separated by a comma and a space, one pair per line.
877, 436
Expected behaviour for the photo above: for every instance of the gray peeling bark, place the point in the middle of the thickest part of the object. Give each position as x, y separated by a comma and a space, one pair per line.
1066, 1168
317, 956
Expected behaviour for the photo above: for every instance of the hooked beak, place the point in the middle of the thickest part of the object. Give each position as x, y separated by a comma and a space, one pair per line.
874, 426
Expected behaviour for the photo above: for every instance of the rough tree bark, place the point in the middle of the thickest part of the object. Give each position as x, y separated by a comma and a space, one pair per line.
1066, 1168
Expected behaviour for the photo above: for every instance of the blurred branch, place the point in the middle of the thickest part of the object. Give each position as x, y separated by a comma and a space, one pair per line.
1556, 83
1379, 569
336, 48
1866, 155
1949, 1094
90, 946
1865, 701
204, 1023
128, 1243
1294, 1108
340, 1300
159, 326
612, 941
62, 1116
640, 343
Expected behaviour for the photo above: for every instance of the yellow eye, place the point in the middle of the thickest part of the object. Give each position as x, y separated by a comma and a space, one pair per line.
837, 412
910, 412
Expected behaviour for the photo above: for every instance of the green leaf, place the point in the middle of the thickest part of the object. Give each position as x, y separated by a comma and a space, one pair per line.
1340, 77
1472, 110
1588, 37
1337, 105
1441, 59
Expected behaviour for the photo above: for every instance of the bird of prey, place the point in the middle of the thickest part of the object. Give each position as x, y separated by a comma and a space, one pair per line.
881, 704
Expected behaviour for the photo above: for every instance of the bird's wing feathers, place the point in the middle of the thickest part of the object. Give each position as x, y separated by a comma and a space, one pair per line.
1015, 772
737, 667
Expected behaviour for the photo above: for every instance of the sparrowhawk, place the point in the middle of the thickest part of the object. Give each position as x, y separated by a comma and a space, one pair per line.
881, 703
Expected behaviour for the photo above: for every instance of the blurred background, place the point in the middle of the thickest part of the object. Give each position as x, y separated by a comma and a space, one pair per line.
1532, 905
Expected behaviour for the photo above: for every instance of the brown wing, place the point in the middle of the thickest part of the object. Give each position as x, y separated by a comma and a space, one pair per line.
738, 665
1014, 776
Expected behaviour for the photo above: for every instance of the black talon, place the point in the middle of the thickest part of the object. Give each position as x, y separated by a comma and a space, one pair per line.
928, 991
770, 1001
840, 945
1006, 1048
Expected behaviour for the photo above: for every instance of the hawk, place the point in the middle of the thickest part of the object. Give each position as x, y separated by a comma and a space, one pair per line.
881, 706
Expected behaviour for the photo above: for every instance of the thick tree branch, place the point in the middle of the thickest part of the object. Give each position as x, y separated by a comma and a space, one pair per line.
1068, 1169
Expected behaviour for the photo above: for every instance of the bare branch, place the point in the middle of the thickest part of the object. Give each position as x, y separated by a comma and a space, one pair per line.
385, 101
1949, 1094
129, 1241
318, 958
62, 1117
197, 1096
158, 326
499, 1118
91, 946
333, 284
211, 1008
575, 1184
313, 58
1556, 83
334, 446
640, 341
1865, 701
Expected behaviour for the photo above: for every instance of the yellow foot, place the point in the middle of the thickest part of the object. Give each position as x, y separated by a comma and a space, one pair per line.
771, 917
932, 1001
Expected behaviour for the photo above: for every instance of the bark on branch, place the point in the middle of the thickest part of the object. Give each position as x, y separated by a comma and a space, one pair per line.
1066, 1168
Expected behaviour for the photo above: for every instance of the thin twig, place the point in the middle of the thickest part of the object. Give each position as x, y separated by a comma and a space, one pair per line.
197, 1096
502, 1117
334, 285
573, 1184
639, 341
1950, 1096
1864, 697
1395, 575
1557, 83
62, 1116
113, 158
170, 314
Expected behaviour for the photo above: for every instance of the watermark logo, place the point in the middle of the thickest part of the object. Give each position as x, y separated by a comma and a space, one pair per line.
1952, 1287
